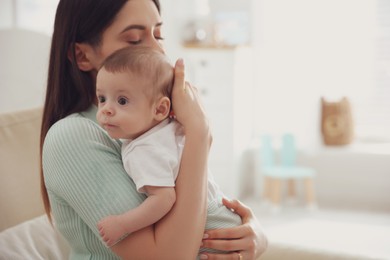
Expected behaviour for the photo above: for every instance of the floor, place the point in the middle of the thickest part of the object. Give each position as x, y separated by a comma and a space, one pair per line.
340, 234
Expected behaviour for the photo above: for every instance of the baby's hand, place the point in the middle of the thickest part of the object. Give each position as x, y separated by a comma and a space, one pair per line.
111, 230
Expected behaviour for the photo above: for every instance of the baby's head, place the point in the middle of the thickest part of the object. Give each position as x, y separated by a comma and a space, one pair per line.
133, 88
144, 63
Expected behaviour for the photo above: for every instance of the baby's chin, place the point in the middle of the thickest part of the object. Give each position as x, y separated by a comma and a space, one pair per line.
115, 136
112, 133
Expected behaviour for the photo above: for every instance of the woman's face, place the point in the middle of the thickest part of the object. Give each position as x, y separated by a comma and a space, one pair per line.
138, 23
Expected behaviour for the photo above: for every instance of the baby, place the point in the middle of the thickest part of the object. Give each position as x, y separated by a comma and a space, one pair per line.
133, 89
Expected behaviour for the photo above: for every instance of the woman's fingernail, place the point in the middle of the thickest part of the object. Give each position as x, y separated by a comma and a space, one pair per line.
205, 236
226, 199
203, 256
180, 61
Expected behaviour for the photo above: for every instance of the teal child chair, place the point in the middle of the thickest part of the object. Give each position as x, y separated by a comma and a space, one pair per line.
286, 170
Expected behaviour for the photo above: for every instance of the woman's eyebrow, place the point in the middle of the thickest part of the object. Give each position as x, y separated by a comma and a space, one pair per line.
133, 26
138, 27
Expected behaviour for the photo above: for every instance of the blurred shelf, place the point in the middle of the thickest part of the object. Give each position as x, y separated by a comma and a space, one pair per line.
199, 45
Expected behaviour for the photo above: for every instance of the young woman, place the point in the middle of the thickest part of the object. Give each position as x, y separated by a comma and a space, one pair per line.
83, 179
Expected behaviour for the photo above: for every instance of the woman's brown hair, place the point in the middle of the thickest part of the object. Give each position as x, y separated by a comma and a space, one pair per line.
70, 90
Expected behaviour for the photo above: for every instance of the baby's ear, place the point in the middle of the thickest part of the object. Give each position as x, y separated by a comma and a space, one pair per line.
163, 107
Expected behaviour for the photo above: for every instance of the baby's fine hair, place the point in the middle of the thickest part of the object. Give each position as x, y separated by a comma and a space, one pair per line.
144, 62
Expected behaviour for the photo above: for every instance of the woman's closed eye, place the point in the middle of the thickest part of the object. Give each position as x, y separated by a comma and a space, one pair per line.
158, 32
123, 101
133, 38
134, 42
160, 38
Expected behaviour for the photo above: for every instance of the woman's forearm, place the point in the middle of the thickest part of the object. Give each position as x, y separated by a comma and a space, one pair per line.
182, 229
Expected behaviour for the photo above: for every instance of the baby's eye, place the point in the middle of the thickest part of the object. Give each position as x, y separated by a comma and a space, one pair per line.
101, 99
122, 101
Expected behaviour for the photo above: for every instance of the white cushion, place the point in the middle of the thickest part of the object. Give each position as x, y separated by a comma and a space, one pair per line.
33, 239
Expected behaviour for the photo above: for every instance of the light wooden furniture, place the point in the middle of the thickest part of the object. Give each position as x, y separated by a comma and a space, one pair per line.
286, 172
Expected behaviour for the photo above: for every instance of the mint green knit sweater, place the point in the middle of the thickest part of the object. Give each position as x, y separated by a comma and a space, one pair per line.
86, 181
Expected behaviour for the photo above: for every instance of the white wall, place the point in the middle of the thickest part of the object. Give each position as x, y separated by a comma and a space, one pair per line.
25, 31
308, 49
23, 69
6, 14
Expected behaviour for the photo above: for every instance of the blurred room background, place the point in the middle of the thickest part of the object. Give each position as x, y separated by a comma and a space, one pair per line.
264, 68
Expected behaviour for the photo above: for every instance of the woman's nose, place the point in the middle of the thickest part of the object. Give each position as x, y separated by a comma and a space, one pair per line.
155, 44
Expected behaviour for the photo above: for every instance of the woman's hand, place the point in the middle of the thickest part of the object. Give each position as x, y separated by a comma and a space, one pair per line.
247, 241
186, 104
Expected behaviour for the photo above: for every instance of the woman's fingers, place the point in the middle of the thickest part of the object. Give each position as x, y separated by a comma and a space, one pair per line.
245, 246
225, 244
238, 208
230, 256
189, 90
179, 84
180, 99
228, 233
248, 239
179, 73
186, 105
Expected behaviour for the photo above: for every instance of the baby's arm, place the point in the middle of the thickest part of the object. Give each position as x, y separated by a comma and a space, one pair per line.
158, 203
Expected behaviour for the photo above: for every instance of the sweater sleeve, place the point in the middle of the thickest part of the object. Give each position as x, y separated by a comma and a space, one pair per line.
83, 171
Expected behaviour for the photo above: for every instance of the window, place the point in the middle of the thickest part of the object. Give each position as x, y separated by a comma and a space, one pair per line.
373, 113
